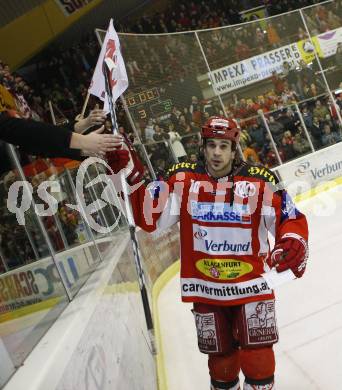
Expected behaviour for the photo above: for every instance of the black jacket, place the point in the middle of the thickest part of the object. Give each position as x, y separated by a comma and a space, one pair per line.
37, 138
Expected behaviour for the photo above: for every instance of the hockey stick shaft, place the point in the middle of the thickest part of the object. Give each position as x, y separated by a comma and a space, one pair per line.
131, 223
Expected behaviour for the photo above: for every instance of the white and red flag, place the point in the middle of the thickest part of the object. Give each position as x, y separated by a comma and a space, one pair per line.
111, 54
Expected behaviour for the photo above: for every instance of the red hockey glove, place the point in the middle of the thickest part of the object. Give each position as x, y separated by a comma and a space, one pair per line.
117, 159
290, 252
137, 171
122, 158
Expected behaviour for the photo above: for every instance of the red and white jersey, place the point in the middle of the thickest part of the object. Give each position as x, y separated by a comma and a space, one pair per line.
224, 227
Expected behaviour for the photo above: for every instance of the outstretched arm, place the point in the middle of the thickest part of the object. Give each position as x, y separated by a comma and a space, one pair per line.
153, 206
96, 117
93, 143
46, 140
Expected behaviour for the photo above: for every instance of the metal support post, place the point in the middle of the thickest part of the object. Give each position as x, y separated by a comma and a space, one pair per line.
304, 127
271, 138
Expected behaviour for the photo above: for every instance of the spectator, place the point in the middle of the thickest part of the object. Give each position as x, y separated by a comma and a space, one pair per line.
251, 108
193, 158
194, 127
187, 115
176, 145
149, 130
289, 96
307, 117
310, 91
156, 151
195, 110
329, 137
257, 134
329, 121
276, 129
291, 76
272, 158
250, 154
96, 117
339, 101
302, 34
278, 83
241, 109
260, 39
242, 51
287, 146
108, 128
245, 138
306, 74
51, 141
272, 35
289, 120
300, 143
159, 134
338, 55
316, 132
334, 110
182, 126
175, 114
333, 21
321, 18
160, 168
320, 111
268, 155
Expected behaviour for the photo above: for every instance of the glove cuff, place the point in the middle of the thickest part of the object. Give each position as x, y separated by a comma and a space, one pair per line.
296, 236
290, 252
135, 177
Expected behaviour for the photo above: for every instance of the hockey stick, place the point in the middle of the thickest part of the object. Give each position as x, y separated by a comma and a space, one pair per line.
131, 223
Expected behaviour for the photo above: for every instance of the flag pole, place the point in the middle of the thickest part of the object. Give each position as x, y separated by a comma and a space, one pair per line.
131, 222
81, 115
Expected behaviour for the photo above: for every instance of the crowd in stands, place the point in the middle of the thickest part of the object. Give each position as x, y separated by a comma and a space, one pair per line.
199, 14
19, 99
65, 74
178, 135
16, 94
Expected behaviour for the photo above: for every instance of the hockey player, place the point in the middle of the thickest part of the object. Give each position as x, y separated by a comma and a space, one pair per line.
226, 209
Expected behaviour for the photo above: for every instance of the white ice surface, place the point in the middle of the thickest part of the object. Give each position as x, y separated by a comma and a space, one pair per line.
309, 315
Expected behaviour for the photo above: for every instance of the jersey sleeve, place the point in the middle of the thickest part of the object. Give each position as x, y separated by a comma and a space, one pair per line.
156, 206
290, 219
282, 215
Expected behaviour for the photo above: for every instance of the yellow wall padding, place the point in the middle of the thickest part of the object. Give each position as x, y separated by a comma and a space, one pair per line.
28, 34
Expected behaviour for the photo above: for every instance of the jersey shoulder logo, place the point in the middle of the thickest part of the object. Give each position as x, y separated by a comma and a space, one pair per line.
260, 172
181, 167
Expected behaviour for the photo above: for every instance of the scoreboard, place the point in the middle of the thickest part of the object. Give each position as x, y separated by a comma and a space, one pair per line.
161, 108
142, 97
149, 104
